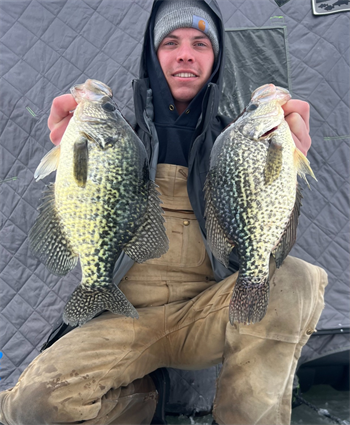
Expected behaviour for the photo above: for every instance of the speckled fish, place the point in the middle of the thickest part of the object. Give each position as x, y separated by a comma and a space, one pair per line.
102, 202
253, 199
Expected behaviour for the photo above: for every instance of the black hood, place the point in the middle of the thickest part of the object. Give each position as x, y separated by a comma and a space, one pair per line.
170, 126
217, 75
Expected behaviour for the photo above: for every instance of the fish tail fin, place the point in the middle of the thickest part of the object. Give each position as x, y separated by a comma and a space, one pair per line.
249, 301
84, 304
302, 165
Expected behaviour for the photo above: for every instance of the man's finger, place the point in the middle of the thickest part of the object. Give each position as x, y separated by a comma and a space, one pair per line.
300, 107
59, 129
299, 131
61, 106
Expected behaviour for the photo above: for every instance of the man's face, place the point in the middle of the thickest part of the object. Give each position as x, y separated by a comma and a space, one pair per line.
186, 57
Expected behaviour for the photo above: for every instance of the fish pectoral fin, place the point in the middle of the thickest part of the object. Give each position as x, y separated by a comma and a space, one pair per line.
85, 304
249, 301
150, 239
48, 164
47, 239
288, 238
217, 240
273, 162
302, 165
80, 160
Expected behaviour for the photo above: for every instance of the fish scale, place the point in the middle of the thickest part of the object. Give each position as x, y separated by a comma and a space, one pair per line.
102, 189
102, 203
252, 198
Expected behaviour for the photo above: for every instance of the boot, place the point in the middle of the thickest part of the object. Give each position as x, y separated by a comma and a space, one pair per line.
161, 380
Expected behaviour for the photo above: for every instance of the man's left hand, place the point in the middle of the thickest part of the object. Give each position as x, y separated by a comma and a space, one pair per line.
297, 115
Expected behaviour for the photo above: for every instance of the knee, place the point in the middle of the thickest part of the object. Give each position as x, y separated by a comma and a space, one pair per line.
298, 282
29, 404
295, 303
297, 293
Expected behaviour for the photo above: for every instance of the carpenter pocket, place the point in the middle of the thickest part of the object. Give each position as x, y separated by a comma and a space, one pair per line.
186, 247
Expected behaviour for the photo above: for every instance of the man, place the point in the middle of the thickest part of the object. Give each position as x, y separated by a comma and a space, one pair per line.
99, 373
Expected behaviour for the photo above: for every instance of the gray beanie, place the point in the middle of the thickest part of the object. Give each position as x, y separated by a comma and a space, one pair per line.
174, 14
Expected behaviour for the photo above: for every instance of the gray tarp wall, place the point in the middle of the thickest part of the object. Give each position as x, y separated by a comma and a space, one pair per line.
46, 46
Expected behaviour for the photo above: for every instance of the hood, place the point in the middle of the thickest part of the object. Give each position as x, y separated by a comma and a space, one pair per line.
151, 70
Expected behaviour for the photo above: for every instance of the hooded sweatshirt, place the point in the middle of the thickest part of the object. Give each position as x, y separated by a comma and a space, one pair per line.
161, 129
175, 132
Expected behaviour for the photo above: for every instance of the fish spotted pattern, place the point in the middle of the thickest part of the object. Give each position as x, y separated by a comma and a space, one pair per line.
102, 203
253, 199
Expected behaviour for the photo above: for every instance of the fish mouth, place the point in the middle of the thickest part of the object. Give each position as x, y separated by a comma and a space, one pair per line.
269, 133
91, 90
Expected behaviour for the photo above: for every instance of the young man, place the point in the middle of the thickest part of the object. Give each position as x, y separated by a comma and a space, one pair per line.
99, 373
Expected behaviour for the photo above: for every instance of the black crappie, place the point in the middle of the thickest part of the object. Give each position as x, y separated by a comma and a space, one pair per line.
102, 202
252, 198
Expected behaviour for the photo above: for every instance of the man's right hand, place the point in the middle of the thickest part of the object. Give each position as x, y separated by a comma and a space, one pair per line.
60, 114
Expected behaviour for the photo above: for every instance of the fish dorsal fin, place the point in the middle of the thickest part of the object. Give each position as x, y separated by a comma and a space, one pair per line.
273, 162
216, 238
302, 165
80, 160
150, 239
47, 239
48, 164
287, 240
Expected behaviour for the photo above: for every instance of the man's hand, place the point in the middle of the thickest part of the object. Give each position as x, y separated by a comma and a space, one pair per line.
60, 115
297, 115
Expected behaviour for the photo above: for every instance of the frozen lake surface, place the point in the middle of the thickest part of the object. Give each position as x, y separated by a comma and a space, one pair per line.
324, 397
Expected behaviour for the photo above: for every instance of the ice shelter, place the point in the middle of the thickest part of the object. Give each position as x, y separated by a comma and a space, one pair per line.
46, 46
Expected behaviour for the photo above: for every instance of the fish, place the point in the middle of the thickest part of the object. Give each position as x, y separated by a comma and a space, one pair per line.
102, 203
253, 198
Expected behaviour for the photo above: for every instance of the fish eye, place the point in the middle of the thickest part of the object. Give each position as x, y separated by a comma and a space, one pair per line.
252, 107
109, 107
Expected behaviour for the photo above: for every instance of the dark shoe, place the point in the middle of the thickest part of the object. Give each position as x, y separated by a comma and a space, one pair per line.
161, 380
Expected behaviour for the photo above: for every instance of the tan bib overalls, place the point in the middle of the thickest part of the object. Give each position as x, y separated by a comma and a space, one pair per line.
93, 374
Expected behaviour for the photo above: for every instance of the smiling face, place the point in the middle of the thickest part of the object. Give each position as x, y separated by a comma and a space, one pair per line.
186, 57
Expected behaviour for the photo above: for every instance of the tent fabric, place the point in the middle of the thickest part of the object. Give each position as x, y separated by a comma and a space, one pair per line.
48, 46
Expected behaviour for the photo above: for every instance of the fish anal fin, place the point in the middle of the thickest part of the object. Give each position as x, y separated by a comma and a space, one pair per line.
218, 243
85, 304
273, 162
150, 240
48, 164
288, 238
80, 160
302, 165
47, 239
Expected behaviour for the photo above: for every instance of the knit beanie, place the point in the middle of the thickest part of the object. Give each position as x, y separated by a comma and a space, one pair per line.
174, 14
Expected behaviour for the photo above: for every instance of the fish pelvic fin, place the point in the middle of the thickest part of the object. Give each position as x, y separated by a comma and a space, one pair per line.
302, 165
80, 161
249, 301
288, 238
48, 164
48, 240
216, 238
150, 239
85, 304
